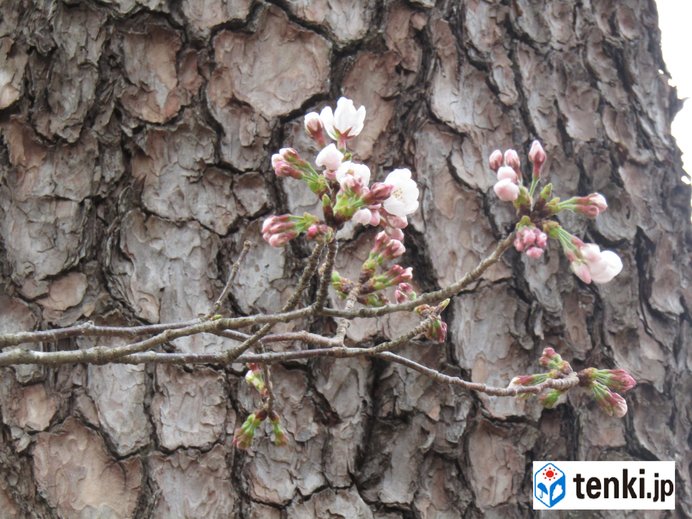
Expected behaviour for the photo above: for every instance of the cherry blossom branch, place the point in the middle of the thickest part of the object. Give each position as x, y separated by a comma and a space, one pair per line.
229, 323
430, 297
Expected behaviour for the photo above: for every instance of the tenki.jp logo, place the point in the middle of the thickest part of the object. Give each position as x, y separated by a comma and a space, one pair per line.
549, 485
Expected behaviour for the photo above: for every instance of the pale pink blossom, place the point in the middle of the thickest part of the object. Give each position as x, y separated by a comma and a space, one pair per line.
363, 216
358, 172
506, 190
345, 122
596, 265
534, 252
404, 199
330, 158
507, 172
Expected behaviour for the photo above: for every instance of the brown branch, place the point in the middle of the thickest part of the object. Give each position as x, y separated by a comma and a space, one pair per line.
88, 329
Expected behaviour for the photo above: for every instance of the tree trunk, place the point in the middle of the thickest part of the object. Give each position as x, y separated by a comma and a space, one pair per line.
135, 161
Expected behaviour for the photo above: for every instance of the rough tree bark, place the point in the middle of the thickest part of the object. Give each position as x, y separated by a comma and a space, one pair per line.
136, 137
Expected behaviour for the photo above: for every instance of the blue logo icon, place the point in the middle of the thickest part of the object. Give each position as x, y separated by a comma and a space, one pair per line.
549, 485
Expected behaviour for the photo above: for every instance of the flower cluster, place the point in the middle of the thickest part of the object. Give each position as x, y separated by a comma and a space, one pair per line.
604, 384
341, 183
537, 223
344, 188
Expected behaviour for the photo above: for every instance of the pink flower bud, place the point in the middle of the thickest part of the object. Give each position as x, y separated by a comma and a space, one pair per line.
506, 190
317, 231
591, 205
283, 169
519, 244
587, 210
396, 233
551, 359
529, 380
598, 200
537, 157
404, 292
611, 403
541, 239
398, 222
362, 216
581, 270
398, 274
512, 160
437, 331
314, 128
615, 379
505, 172
534, 252
379, 192
495, 160
279, 230
394, 249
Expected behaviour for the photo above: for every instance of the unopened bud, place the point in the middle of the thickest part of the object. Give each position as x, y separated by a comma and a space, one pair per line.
314, 128
437, 331
529, 380
403, 293
512, 160
551, 359
611, 403
550, 398
495, 160
537, 157
378, 193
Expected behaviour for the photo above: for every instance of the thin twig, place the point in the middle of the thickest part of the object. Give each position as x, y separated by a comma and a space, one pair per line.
344, 323
231, 277
303, 282
326, 275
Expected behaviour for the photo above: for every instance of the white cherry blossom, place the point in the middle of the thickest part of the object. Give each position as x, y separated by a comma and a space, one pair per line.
330, 158
359, 172
345, 122
404, 199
